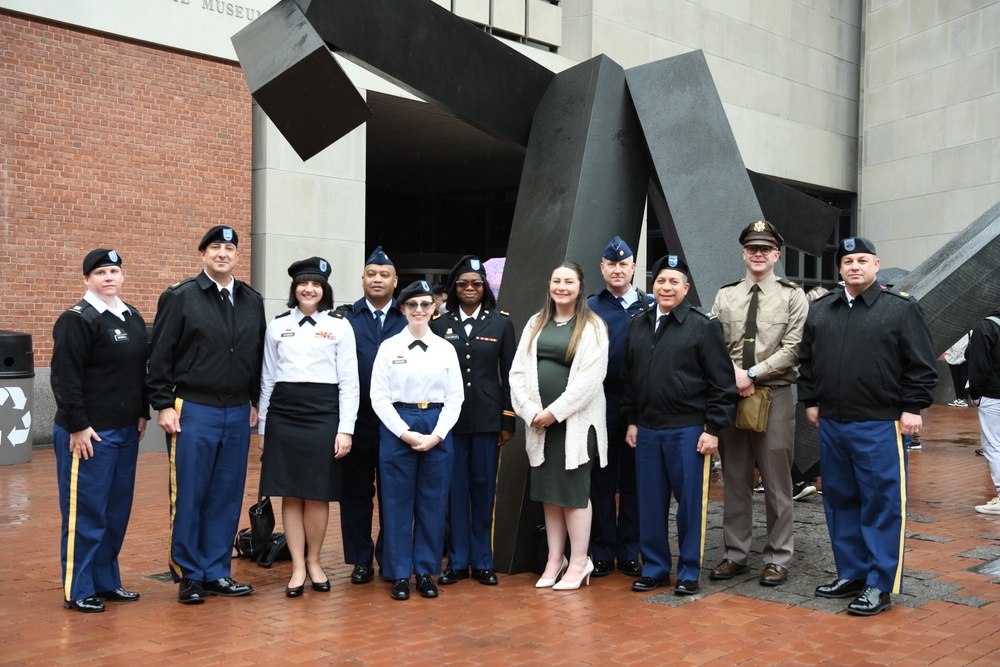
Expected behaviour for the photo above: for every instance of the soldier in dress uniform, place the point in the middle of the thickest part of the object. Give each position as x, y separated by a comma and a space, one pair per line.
374, 318
483, 337
204, 378
98, 372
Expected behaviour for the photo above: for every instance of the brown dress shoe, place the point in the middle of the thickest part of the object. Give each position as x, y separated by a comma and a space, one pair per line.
773, 575
728, 569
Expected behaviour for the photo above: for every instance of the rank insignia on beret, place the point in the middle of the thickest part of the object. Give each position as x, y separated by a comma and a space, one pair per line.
113, 256
850, 244
475, 264
759, 226
322, 265
672, 261
227, 234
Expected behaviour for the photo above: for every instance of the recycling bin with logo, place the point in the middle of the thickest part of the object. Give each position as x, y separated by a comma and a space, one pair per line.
17, 386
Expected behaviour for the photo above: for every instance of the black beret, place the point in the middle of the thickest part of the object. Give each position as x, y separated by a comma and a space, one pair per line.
316, 266
854, 245
671, 262
219, 234
100, 257
419, 288
468, 264
761, 230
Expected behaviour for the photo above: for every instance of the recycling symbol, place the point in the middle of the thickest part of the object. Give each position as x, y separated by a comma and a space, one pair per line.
13, 414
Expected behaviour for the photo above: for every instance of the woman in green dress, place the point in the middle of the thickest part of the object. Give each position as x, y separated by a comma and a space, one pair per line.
556, 388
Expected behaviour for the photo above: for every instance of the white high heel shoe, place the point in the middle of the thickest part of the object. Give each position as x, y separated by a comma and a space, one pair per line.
573, 585
548, 583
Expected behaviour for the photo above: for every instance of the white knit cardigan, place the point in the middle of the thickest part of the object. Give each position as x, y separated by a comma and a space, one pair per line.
581, 405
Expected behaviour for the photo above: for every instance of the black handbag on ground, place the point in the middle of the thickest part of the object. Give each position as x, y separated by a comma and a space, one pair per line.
259, 541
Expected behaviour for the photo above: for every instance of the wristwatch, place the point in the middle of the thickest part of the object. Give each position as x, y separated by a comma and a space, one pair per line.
752, 375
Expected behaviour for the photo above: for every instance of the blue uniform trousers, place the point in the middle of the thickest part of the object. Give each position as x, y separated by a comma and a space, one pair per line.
667, 461
615, 528
95, 497
357, 495
864, 494
208, 470
415, 498
471, 499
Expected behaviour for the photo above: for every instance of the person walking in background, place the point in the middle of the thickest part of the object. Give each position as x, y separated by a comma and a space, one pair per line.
560, 363
308, 406
984, 389
958, 366
99, 359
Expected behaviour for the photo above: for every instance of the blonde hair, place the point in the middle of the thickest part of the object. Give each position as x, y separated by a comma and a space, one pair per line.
583, 314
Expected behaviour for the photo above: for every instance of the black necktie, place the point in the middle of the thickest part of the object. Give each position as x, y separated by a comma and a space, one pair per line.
224, 292
419, 343
307, 319
750, 333
378, 321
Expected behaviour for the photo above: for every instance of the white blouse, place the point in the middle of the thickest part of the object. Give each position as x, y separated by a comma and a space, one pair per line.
323, 352
402, 374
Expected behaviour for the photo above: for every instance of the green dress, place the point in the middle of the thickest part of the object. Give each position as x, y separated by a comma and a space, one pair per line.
551, 483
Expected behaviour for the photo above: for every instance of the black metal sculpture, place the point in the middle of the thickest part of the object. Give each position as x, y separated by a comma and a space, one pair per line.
595, 137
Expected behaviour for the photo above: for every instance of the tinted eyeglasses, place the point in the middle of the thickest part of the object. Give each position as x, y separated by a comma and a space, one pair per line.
762, 249
464, 284
419, 305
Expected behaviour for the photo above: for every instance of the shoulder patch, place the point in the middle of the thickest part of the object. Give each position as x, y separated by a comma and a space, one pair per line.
339, 314
182, 283
284, 314
733, 284
504, 312
436, 316
787, 283
345, 309
901, 295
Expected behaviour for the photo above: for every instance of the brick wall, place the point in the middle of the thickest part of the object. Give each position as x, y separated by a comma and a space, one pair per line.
109, 143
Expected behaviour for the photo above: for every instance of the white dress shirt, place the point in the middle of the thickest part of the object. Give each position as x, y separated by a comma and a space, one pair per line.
405, 375
118, 310
324, 352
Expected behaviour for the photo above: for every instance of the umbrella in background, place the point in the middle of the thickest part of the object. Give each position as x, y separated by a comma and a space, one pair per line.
494, 273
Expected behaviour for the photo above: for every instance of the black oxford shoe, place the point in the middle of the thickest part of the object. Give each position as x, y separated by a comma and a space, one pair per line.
686, 587
602, 568
870, 602
400, 589
190, 592
362, 574
631, 568
646, 584
841, 588
426, 586
118, 595
88, 605
486, 577
452, 576
227, 588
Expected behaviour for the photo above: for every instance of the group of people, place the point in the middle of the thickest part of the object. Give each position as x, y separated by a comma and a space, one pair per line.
390, 397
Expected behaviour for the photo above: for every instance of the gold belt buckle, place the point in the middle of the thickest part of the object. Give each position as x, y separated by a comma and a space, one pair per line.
423, 405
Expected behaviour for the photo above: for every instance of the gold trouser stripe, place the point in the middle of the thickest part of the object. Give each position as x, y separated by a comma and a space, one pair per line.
706, 479
178, 404
902, 509
74, 478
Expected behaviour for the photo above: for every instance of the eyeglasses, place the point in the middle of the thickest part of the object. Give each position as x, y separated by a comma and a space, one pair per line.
463, 284
762, 249
419, 305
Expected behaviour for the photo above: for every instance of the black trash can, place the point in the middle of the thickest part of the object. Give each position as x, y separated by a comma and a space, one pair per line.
17, 392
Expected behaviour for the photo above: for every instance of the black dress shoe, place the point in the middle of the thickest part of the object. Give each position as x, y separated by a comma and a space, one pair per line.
631, 568
486, 577
870, 602
227, 588
452, 576
602, 568
88, 605
118, 595
426, 586
841, 588
321, 586
362, 574
400, 589
646, 584
295, 592
190, 592
686, 587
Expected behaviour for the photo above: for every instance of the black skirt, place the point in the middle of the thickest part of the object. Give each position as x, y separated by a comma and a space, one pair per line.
298, 460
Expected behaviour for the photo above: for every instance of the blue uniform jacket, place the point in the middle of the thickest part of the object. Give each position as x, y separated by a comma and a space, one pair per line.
606, 305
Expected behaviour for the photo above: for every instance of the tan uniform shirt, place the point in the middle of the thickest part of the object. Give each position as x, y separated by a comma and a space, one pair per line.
781, 316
